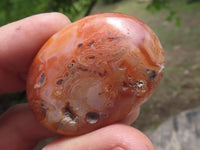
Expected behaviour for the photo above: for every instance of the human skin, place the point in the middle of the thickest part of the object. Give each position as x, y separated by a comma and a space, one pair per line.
20, 42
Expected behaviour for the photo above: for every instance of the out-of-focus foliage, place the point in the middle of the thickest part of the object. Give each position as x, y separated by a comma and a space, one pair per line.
11, 10
109, 1
192, 1
157, 5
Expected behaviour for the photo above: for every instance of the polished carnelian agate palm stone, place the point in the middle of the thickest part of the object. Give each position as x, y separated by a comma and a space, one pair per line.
94, 72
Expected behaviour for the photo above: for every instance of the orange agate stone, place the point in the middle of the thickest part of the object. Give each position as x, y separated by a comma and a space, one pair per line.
94, 72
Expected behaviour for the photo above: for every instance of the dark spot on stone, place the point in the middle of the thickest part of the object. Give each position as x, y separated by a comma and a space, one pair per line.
119, 52
175, 124
71, 64
140, 83
190, 115
91, 57
103, 114
42, 78
151, 73
44, 108
113, 38
124, 83
102, 74
123, 49
91, 43
80, 45
100, 93
59, 82
41, 104
82, 69
68, 112
92, 117
130, 84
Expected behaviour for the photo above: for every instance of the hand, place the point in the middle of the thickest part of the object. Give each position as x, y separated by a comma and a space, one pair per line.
19, 43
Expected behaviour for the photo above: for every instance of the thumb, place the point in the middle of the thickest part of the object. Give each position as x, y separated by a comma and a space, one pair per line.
112, 137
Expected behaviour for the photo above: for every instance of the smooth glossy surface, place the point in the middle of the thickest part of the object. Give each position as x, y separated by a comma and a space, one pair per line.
94, 72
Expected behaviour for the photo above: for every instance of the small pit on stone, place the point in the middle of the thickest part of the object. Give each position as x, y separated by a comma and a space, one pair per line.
44, 108
42, 78
92, 117
71, 64
151, 73
91, 43
80, 45
59, 82
69, 113
113, 38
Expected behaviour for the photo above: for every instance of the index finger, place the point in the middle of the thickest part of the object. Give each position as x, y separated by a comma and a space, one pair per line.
19, 43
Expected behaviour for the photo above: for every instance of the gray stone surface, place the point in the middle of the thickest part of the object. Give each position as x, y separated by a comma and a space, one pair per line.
181, 132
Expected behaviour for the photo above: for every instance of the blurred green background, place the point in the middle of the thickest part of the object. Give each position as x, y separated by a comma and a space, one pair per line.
177, 25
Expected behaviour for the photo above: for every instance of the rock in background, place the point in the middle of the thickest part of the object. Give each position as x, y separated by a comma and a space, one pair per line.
181, 132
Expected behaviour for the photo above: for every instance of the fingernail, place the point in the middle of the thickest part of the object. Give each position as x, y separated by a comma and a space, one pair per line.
117, 148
